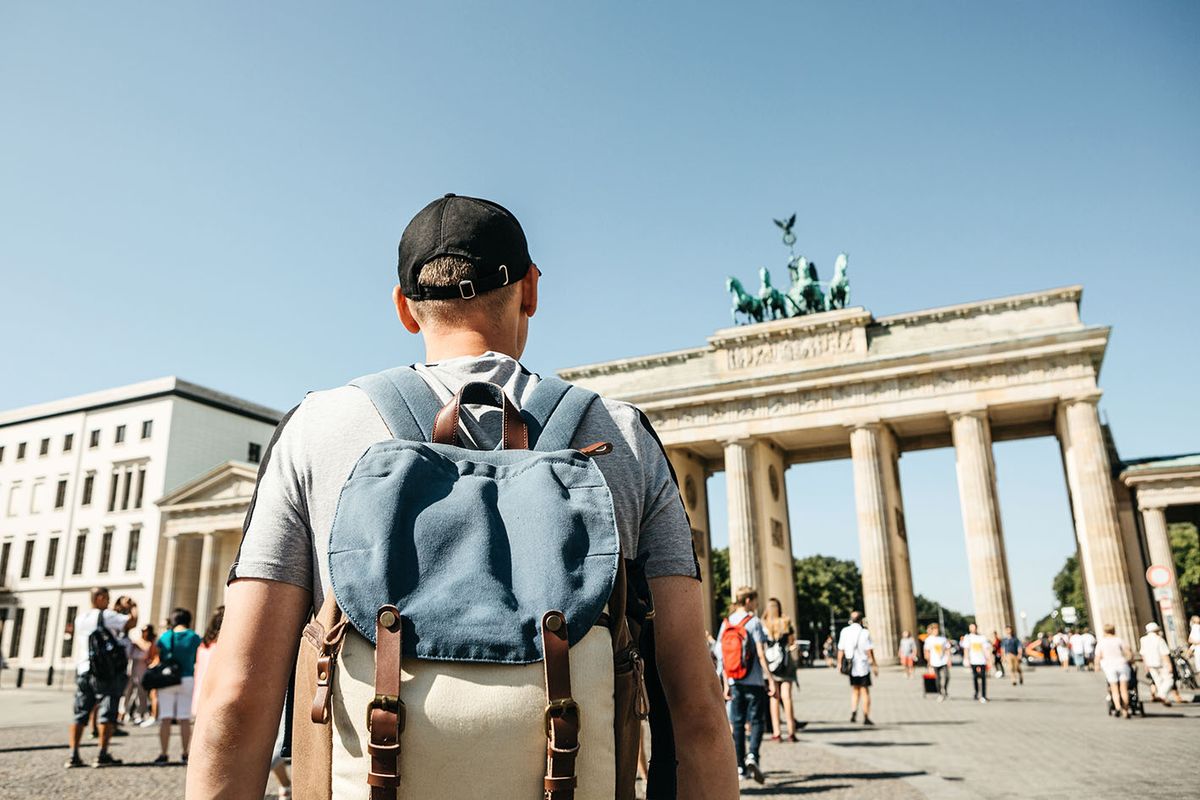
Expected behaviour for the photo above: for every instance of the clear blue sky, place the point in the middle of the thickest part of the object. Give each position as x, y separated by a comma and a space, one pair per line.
215, 190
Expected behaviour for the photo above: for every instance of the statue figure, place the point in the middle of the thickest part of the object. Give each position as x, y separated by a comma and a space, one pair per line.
839, 287
743, 303
797, 266
789, 238
774, 302
810, 292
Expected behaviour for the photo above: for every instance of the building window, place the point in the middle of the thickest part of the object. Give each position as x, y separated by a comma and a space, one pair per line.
14, 644
1, 454
60, 494
39, 639
105, 550
35, 499
69, 631
94, 439
89, 482
52, 557
80, 550
141, 487
20, 451
44, 447
255, 453
147, 427
68, 442
131, 555
120, 435
112, 490
126, 484
14, 498
5, 552
27, 559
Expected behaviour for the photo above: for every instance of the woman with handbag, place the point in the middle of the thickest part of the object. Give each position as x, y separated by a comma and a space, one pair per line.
781, 633
173, 679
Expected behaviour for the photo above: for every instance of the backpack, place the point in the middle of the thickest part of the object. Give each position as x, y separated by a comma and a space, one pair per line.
107, 658
484, 634
735, 649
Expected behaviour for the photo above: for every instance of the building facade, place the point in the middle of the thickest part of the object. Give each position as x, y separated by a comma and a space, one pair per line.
78, 483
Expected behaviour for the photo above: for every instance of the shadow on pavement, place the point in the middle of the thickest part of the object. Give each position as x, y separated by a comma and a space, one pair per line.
881, 744
790, 787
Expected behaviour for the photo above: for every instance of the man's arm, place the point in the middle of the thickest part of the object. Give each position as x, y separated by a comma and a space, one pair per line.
707, 769
244, 688
762, 660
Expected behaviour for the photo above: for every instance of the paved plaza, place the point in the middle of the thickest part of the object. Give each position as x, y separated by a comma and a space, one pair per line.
1047, 739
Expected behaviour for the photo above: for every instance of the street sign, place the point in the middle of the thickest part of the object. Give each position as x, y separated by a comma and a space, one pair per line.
1158, 575
1069, 615
1161, 593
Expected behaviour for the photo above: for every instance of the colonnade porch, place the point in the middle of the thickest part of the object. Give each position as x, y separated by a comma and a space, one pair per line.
844, 384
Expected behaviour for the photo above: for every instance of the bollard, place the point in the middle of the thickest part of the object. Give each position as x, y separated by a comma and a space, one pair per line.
20, 676
50, 676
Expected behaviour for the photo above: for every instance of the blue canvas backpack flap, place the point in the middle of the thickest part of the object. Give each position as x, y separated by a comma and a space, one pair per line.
498, 573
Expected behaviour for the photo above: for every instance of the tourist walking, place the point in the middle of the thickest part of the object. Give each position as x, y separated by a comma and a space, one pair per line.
997, 655
1062, 649
1156, 655
829, 651
856, 658
1112, 658
781, 633
100, 675
977, 652
937, 656
468, 286
179, 644
1194, 640
137, 699
208, 646
1011, 647
747, 689
1076, 643
1088, 641
908, 653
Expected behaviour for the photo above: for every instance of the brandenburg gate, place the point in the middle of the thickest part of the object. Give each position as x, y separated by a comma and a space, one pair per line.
844, 384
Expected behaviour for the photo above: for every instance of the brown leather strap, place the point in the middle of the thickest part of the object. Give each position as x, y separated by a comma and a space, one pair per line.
329, 646
515, 435
562, 713
385, 713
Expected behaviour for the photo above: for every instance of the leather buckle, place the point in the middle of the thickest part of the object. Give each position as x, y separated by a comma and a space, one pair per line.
387, 702
561, 708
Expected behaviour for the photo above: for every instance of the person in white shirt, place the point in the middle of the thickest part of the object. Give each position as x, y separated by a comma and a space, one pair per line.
976, 652
1077, 649
1156, 655
908, 653
101, 692
1112, 658
937, 656
1062, 649
1194, 639
854, 646
1089, 647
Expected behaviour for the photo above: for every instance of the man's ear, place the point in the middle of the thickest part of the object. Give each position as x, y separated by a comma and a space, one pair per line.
529, 290
404, 311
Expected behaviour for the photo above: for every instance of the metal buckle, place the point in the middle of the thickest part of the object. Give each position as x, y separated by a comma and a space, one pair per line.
504, 271
560, 708
464, 287
387, 702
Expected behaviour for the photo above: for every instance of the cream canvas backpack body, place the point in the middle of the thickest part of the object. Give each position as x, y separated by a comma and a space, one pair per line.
483, 634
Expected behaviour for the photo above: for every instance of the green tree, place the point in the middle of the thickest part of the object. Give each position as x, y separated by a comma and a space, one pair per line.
825, 587
1068, 591
956, 622
1185, 546
720, 586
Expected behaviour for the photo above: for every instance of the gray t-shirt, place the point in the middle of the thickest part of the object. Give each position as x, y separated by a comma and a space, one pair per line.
317, 445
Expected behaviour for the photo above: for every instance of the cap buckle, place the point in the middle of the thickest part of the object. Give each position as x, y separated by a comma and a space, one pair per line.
464, 287
504, 272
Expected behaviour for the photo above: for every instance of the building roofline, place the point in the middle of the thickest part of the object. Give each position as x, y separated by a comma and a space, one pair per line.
138, 392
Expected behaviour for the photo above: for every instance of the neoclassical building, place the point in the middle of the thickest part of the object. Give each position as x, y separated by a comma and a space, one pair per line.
845, 384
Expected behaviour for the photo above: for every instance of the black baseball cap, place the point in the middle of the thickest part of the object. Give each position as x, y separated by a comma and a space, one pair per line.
484, 233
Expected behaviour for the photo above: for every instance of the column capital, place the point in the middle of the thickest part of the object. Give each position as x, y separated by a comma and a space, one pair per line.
1160, 506
980, 412
740, 441
868, 425
1092, 397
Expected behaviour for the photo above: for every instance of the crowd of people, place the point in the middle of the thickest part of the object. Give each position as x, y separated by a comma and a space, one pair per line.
131, 675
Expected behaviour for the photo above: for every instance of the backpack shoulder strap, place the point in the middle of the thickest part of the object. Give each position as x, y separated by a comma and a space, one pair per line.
554, 413
405, 402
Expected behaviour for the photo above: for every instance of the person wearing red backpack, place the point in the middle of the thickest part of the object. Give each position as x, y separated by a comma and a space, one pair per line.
742, 643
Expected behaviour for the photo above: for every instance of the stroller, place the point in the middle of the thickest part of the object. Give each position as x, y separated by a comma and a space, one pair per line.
1135, 702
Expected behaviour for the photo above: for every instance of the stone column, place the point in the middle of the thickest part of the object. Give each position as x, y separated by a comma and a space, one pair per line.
166, 595
906, 602
692, 473
879, 585
1101, 555
744, 567
981, 521
204, 587
1154, 521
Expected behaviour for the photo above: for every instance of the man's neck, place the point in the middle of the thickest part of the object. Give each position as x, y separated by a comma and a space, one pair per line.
457, 344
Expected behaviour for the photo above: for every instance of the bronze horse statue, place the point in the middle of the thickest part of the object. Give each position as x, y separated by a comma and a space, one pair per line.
743, 303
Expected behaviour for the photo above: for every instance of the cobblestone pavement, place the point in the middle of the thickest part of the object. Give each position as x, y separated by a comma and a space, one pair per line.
919, 748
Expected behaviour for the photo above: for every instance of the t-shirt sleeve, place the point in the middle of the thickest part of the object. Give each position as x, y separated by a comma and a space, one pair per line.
756, 631
665, 533
277, 540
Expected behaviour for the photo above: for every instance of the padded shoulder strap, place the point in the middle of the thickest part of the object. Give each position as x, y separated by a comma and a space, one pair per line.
406, 403
554, 413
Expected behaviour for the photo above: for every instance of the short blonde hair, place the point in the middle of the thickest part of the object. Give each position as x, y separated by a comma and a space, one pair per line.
745, 593
450, 271
1110, 628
